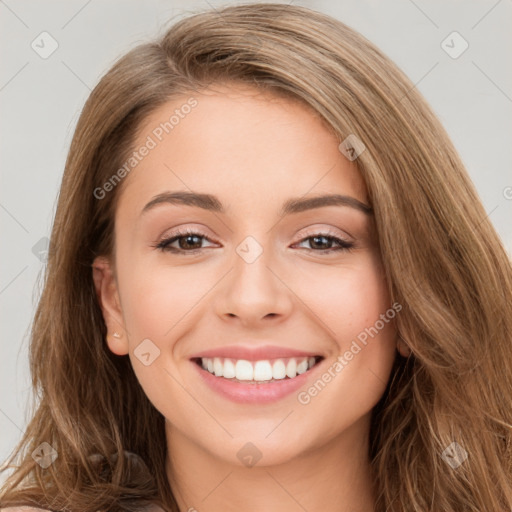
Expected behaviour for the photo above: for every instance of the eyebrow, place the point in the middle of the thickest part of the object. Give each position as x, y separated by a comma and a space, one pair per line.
291, 206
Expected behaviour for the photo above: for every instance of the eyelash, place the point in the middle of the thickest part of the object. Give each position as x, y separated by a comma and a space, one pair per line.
164, 245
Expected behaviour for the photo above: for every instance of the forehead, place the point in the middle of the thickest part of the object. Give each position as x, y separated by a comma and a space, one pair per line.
240, 143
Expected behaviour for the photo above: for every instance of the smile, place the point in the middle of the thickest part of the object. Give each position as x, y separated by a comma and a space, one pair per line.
257, 372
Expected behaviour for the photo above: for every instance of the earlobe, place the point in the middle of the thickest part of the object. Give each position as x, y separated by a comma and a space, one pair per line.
117, 343
108, 299
402, 347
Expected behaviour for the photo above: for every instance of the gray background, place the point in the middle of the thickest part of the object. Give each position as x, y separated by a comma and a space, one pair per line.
40, 100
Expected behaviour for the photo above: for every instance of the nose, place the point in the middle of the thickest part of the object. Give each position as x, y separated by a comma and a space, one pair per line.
254, 293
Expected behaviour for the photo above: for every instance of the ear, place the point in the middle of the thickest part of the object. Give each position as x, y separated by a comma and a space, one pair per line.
108, 298
402, 347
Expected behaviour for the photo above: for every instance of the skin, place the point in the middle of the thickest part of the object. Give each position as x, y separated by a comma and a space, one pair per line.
253, 151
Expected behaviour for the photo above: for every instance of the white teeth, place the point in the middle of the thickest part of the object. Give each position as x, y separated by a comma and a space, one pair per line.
244, 370
302, 366
218, 367
229, 369
291, 368
258, 371
262, 370
279, 369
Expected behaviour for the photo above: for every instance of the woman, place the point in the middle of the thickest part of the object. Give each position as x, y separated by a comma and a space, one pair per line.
271, 284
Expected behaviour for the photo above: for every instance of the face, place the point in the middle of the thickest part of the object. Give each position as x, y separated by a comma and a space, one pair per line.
243, 300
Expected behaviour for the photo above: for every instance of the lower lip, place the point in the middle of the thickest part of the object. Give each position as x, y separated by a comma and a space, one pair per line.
254, 393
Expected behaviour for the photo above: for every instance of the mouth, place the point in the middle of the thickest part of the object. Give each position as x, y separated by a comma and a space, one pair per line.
265, 371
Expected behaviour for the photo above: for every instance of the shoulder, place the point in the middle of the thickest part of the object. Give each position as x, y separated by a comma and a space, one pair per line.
23, 509
152, 508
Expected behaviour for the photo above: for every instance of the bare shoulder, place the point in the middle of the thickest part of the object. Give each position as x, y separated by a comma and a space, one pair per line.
23, 509
153, 508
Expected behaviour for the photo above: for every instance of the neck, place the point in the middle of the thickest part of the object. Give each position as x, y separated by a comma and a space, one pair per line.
332, 477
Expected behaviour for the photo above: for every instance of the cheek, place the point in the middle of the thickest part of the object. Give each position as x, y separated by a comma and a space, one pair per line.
352, 305
345, 299
157, 303
161, 304
158, 299
366, 344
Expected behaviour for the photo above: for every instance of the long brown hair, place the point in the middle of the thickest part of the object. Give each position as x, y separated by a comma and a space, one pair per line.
443, 260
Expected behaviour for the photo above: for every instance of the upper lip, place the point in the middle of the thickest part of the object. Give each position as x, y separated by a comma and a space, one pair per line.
253, 353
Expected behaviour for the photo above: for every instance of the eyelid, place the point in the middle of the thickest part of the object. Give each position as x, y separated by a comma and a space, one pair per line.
193, 229
343, 245
306, 232
182, 232
338, 233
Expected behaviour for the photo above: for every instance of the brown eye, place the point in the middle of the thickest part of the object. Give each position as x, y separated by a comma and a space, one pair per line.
323, 242
188, 241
